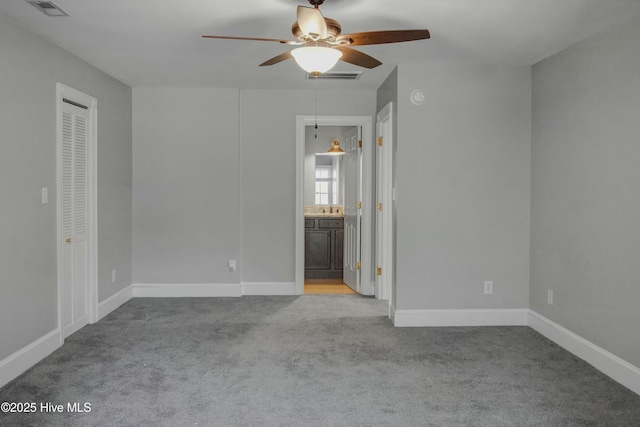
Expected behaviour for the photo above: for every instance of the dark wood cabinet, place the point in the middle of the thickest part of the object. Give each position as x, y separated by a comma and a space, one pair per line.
323, 247
317, 250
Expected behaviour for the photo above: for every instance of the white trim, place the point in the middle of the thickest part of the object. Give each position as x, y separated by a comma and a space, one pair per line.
366, 124
114, 301
268, 288
92, 291
367, 285
472, 317
17, 363
76, 326
392, 310
608, 363
188, 290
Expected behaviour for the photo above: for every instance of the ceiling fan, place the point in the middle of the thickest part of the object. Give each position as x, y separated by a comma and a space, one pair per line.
321, 43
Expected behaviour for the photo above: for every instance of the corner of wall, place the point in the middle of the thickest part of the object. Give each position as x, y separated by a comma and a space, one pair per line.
613, 366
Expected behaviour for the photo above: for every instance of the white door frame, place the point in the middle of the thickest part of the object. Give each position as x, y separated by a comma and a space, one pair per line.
366, 124
385, 195
66, 92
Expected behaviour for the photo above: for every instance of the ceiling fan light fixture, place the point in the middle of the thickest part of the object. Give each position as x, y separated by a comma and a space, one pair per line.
316, 60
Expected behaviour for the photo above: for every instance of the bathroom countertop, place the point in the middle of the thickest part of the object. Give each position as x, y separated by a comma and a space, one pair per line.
324, 211
324, 215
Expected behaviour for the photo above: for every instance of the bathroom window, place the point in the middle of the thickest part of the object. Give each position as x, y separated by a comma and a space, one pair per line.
326, 185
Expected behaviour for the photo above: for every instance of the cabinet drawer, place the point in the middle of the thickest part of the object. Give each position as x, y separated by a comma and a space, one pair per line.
309, 223
330, 223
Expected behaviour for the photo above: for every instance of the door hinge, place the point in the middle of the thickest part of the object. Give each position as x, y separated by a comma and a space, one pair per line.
358, 265
380, 206
360, 144
380, 141
359, 205
379, 272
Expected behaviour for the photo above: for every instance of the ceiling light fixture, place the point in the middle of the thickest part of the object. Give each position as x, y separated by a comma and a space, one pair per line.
335, 150
316, 60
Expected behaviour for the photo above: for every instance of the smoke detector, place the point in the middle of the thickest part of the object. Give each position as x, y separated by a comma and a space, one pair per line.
49, 8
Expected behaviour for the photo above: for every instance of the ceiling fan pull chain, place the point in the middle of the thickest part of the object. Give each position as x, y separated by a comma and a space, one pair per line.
316, 103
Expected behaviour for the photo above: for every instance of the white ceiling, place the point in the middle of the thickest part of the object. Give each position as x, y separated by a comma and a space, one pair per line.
158, 43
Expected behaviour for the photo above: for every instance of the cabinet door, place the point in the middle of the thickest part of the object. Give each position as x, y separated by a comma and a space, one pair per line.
317, 250
338, 250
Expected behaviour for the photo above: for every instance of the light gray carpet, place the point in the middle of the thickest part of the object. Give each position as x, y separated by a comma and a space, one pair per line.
313, 360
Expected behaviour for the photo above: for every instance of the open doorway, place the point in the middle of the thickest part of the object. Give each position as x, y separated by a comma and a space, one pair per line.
331, 183
333, 239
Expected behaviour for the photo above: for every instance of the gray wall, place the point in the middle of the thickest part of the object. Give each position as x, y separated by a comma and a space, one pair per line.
388, 91
186, 200
267, 122
585, 243
463, 186
29, 70
214, 179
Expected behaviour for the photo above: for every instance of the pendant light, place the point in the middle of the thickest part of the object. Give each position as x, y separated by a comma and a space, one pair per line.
335, 150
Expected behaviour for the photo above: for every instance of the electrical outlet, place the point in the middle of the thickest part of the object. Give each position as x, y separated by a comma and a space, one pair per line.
488, 287
113, 276
549, 296
232, 265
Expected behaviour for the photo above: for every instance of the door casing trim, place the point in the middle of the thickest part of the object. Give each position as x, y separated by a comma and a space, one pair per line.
366, 124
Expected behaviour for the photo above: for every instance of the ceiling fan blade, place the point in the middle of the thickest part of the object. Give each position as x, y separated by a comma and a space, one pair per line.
312, 22
358, 58
382, 37
277, 59
254, 39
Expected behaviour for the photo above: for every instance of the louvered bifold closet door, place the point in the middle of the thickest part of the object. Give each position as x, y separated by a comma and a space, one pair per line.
67, 177
74, 210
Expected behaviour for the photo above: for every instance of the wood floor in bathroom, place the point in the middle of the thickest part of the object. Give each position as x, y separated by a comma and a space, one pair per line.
326, 286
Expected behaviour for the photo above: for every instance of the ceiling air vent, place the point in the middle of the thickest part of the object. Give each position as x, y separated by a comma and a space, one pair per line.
49, 8
337, 75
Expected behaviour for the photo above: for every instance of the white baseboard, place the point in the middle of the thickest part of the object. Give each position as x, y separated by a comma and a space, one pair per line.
107, 306
620, 370
17, 363
190, 290
268, 288
472, 317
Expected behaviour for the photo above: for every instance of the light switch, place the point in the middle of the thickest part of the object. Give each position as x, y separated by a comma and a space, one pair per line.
45, 195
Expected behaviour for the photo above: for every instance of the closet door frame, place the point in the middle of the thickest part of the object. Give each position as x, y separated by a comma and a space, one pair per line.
71, 95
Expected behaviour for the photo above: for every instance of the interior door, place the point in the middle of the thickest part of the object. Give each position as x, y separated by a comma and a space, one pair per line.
74, 211
352, 160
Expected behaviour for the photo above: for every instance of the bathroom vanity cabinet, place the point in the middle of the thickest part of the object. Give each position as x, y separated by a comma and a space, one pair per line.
323, 247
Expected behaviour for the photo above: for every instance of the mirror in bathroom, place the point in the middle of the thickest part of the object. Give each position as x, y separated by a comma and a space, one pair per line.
327, 180
323, 183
